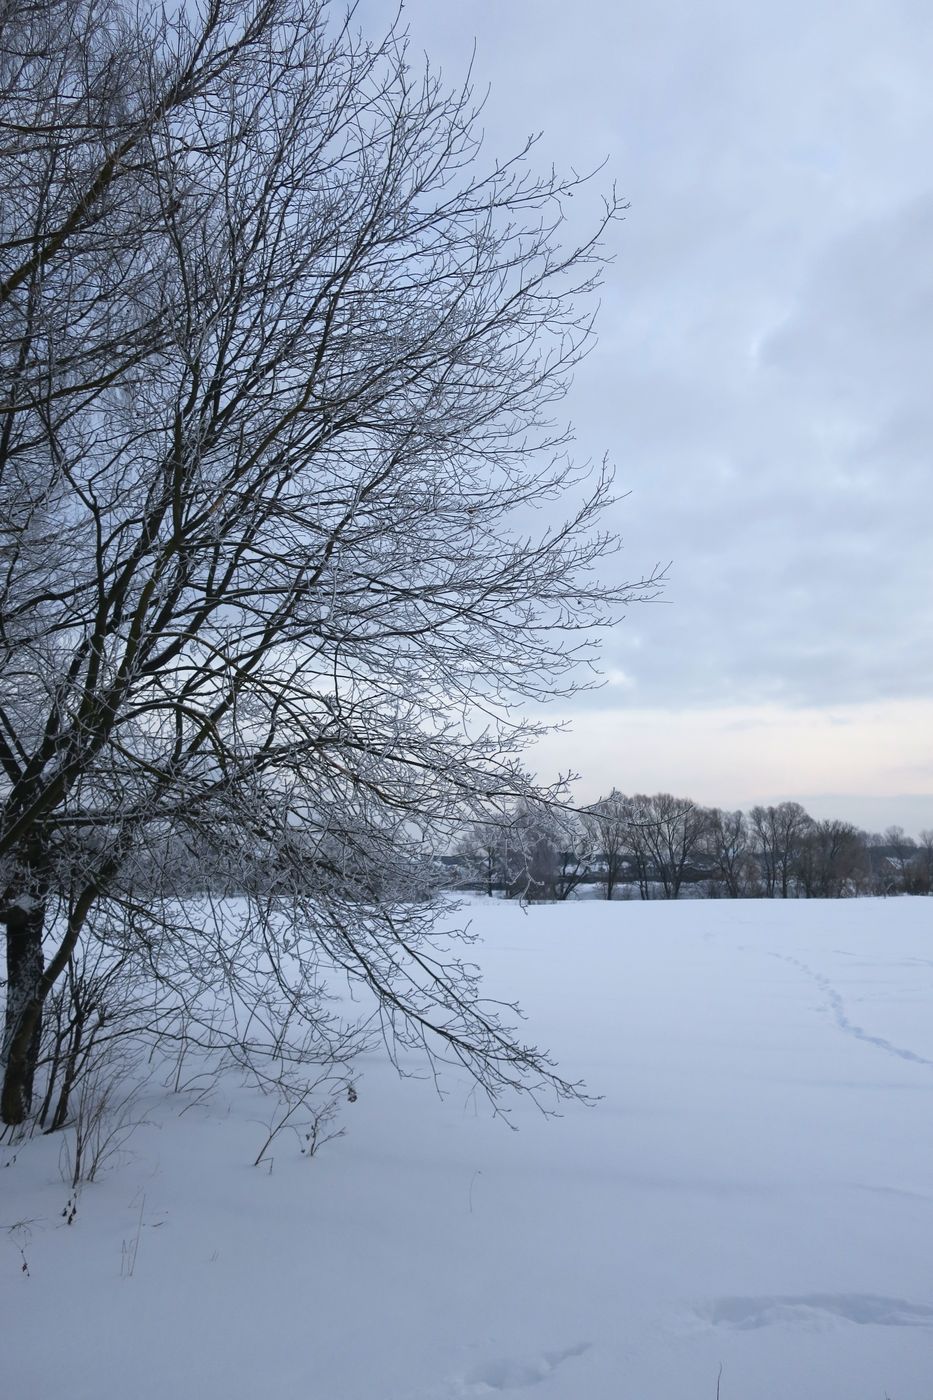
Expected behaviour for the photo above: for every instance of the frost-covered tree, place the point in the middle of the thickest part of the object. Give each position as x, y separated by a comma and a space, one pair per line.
545, 851
534, 849
484, 854
607, 821
279, 359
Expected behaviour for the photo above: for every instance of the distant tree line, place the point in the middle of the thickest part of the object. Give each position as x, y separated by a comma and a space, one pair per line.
665, 847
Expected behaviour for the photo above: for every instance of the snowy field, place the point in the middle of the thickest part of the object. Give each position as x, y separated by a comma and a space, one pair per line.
754, 1192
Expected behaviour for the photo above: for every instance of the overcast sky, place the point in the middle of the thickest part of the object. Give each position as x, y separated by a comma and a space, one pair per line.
763, 382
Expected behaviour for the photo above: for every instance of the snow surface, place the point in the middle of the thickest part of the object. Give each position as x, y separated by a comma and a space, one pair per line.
755, 1190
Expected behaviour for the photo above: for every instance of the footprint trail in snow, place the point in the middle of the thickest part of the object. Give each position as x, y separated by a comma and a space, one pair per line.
837, 1007
505, 1374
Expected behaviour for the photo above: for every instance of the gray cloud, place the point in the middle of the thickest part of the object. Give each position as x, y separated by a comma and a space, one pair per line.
762, 380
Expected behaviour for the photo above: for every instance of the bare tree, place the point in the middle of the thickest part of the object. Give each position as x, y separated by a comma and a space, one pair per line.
730, 846
535, 849
901, 852
278, 364
484, 852
829, 860
641, 836
607, 822
925, 859
764, 826
673, 829
574, 854
545, 850
779, 832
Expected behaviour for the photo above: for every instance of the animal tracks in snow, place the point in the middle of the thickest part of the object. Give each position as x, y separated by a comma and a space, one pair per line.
505, 1374
837, 1007
815, 1309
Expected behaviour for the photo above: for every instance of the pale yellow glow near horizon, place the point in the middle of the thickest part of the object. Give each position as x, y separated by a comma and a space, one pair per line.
869, 756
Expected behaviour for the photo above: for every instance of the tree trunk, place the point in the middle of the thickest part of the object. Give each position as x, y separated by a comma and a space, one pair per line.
22, 1032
